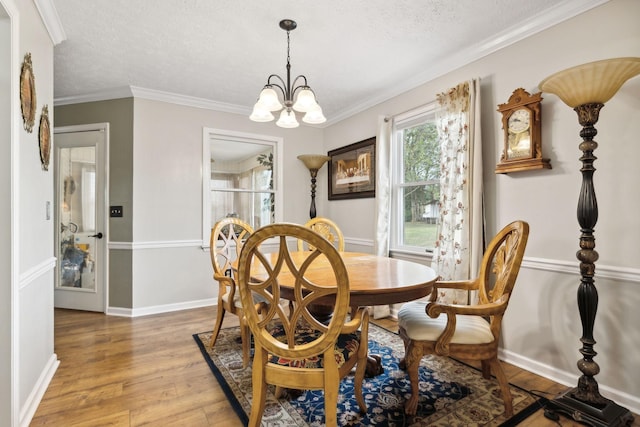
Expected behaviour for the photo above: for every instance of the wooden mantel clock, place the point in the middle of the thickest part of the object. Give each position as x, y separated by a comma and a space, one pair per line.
521, 123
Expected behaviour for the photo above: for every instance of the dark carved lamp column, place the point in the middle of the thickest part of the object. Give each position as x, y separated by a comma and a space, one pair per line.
313, 162
586, 88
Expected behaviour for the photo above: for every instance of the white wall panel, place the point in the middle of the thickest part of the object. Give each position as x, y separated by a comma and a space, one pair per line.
170, 275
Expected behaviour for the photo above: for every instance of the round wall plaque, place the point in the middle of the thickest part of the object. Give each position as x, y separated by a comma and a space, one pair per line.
45, 138
28, 94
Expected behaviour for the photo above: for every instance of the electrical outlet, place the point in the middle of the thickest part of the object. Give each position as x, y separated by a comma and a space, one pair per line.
115, 212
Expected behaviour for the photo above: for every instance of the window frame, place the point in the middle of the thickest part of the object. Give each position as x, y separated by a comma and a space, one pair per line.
402, 122
208, 136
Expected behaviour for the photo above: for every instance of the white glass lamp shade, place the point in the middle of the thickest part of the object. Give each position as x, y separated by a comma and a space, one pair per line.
313, 161
314, 116
287, 120
269, 99
594, 82
305, 100
260, 114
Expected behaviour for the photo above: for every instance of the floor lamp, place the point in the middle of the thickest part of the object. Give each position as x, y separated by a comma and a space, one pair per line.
313, 162
586, 88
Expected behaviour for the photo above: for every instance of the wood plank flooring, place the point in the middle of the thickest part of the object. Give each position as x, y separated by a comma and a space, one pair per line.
148, 371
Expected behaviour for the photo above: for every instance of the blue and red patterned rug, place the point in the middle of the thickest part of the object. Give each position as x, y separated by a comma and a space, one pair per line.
451, 393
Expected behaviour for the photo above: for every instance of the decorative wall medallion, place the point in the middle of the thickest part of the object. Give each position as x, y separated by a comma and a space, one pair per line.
28, 94
45, 137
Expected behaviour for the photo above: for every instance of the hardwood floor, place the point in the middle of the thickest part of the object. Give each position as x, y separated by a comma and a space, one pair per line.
148, 371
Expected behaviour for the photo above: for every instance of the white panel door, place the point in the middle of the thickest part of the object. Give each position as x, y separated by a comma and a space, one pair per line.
81, 243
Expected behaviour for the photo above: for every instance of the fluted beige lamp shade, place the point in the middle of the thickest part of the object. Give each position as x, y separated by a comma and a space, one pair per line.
594, 82
313, 161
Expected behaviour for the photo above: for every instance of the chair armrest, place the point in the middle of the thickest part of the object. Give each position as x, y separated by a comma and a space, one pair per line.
434, 309
227, 283
358, 320
467, 285
451, 310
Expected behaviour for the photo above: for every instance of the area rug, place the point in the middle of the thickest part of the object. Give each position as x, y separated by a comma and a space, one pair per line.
451, 393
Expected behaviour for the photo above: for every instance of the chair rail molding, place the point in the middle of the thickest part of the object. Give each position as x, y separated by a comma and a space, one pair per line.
571, 267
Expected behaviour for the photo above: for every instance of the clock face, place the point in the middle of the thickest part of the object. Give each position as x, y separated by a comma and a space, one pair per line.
519, 120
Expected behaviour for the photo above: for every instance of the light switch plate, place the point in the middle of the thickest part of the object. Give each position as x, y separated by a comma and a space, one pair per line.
115, 211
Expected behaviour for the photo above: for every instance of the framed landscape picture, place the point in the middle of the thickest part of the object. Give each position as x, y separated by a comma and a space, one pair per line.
352, 171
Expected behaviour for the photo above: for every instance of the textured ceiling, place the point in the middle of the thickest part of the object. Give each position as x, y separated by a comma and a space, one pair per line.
354, 53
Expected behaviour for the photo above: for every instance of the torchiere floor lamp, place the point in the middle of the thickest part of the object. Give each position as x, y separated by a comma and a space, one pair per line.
586, 88
313, 162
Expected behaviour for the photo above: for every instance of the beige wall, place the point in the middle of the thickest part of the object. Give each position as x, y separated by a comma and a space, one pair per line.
542, 327
119, 114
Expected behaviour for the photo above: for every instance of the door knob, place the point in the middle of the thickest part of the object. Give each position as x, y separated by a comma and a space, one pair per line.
99, 235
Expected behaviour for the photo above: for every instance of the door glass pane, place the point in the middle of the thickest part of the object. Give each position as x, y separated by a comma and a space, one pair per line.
77, 214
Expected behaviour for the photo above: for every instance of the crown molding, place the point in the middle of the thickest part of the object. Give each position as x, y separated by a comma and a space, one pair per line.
189, 101
154, 95
562, 12
51, 20
104, 95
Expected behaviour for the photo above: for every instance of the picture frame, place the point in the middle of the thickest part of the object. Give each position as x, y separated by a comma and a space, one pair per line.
352, 170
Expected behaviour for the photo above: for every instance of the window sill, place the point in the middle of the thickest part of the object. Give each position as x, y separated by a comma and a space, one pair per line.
419, 257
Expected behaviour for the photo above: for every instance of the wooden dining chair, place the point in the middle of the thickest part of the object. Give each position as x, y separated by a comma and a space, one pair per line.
468, 332
327, 229
296, 350
227, 237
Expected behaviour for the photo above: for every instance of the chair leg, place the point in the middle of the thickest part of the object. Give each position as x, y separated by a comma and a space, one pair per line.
245, 335
259, 393
216, 328
504, 385
361, 368
486, 370
412, 357
331, 407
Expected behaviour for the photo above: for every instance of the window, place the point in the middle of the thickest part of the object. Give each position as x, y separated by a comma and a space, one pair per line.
240, 179
415, 182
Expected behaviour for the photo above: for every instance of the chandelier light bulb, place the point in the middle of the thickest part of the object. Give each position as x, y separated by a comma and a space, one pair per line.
269, 99
261, 114
305, 101
314, 116
287, 120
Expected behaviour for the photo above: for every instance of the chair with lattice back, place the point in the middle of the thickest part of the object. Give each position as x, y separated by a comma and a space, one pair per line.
468, 332
327, 229
296, 350
227, 237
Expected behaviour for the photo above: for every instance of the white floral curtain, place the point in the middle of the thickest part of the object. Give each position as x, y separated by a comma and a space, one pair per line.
383, 198
459, 247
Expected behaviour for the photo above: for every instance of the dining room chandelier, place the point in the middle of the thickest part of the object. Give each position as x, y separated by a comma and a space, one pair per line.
305, 98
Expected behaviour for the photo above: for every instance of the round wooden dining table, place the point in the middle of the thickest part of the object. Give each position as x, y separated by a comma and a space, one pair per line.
373, 280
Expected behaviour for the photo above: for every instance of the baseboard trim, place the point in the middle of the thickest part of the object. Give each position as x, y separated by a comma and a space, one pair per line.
567, 378
159, 309
33, 400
